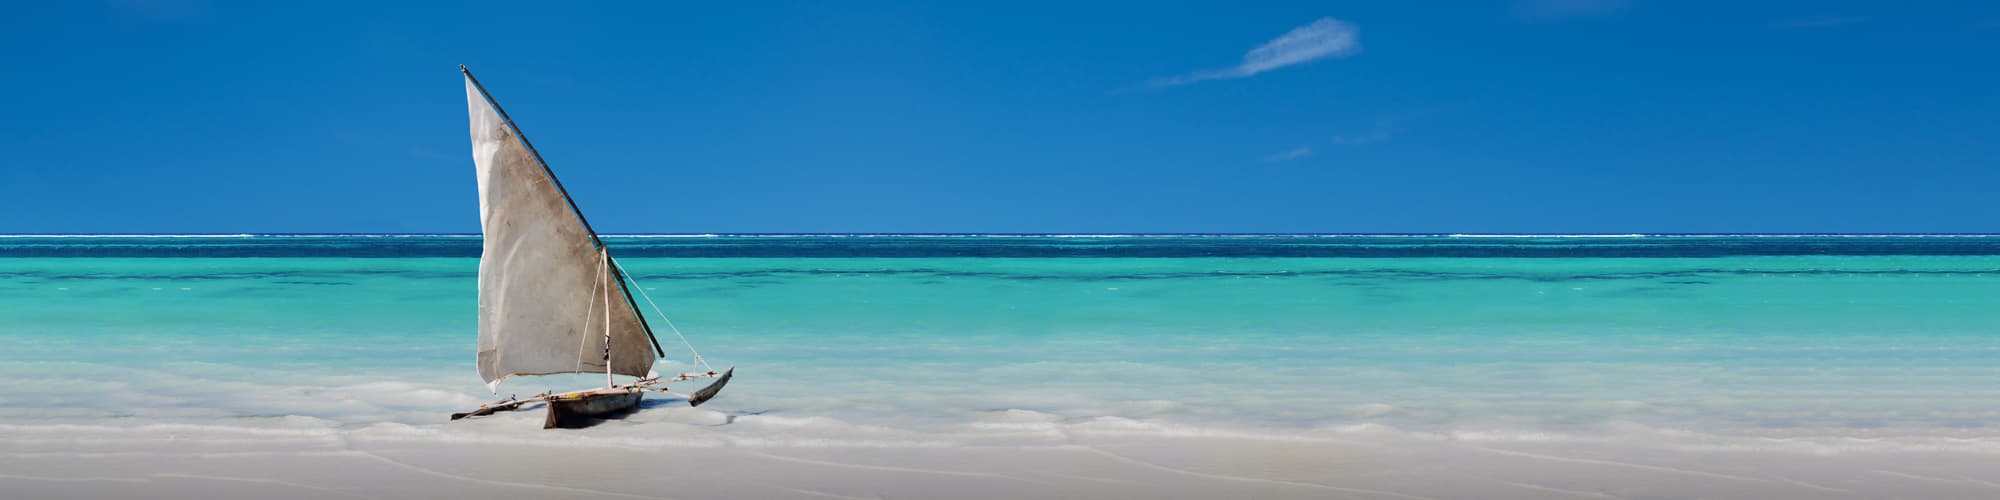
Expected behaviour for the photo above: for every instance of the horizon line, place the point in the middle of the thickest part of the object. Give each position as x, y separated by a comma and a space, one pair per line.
1045, 234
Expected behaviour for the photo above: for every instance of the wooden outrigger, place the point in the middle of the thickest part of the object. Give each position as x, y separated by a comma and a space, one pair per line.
579, 408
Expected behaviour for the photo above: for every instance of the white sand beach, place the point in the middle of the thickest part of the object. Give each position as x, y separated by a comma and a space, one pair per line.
1103, 458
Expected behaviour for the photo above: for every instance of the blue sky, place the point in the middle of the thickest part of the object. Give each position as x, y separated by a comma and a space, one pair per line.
1500, 116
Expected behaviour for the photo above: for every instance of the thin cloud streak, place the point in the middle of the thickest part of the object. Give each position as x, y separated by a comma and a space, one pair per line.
1550, 9
1389, 126
1324, 38
1817, 22
1301, 152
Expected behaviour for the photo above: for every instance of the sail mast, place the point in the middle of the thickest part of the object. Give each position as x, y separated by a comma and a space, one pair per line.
594, 239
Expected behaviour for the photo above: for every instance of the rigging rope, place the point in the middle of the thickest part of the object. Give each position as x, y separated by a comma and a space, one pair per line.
583, 340
663, 317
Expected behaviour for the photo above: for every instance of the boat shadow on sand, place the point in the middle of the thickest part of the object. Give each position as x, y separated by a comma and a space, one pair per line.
581, 422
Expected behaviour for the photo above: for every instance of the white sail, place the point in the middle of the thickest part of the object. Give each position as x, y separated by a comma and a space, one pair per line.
541, 304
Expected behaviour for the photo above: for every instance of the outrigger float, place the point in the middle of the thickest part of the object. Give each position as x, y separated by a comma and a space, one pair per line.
541, 269
574, 409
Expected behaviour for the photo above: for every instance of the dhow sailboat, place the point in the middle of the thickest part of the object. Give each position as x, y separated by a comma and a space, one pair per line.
552, 300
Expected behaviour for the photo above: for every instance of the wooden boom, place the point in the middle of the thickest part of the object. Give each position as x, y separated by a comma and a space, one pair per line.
637, 387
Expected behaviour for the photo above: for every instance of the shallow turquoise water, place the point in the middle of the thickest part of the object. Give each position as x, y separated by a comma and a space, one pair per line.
1808, 336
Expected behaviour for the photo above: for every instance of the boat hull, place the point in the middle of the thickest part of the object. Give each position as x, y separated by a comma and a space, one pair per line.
585, 408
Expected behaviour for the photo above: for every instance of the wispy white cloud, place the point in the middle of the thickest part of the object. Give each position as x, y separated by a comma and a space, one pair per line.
1817, 22
1359, 133
1300, 152
1324, 38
